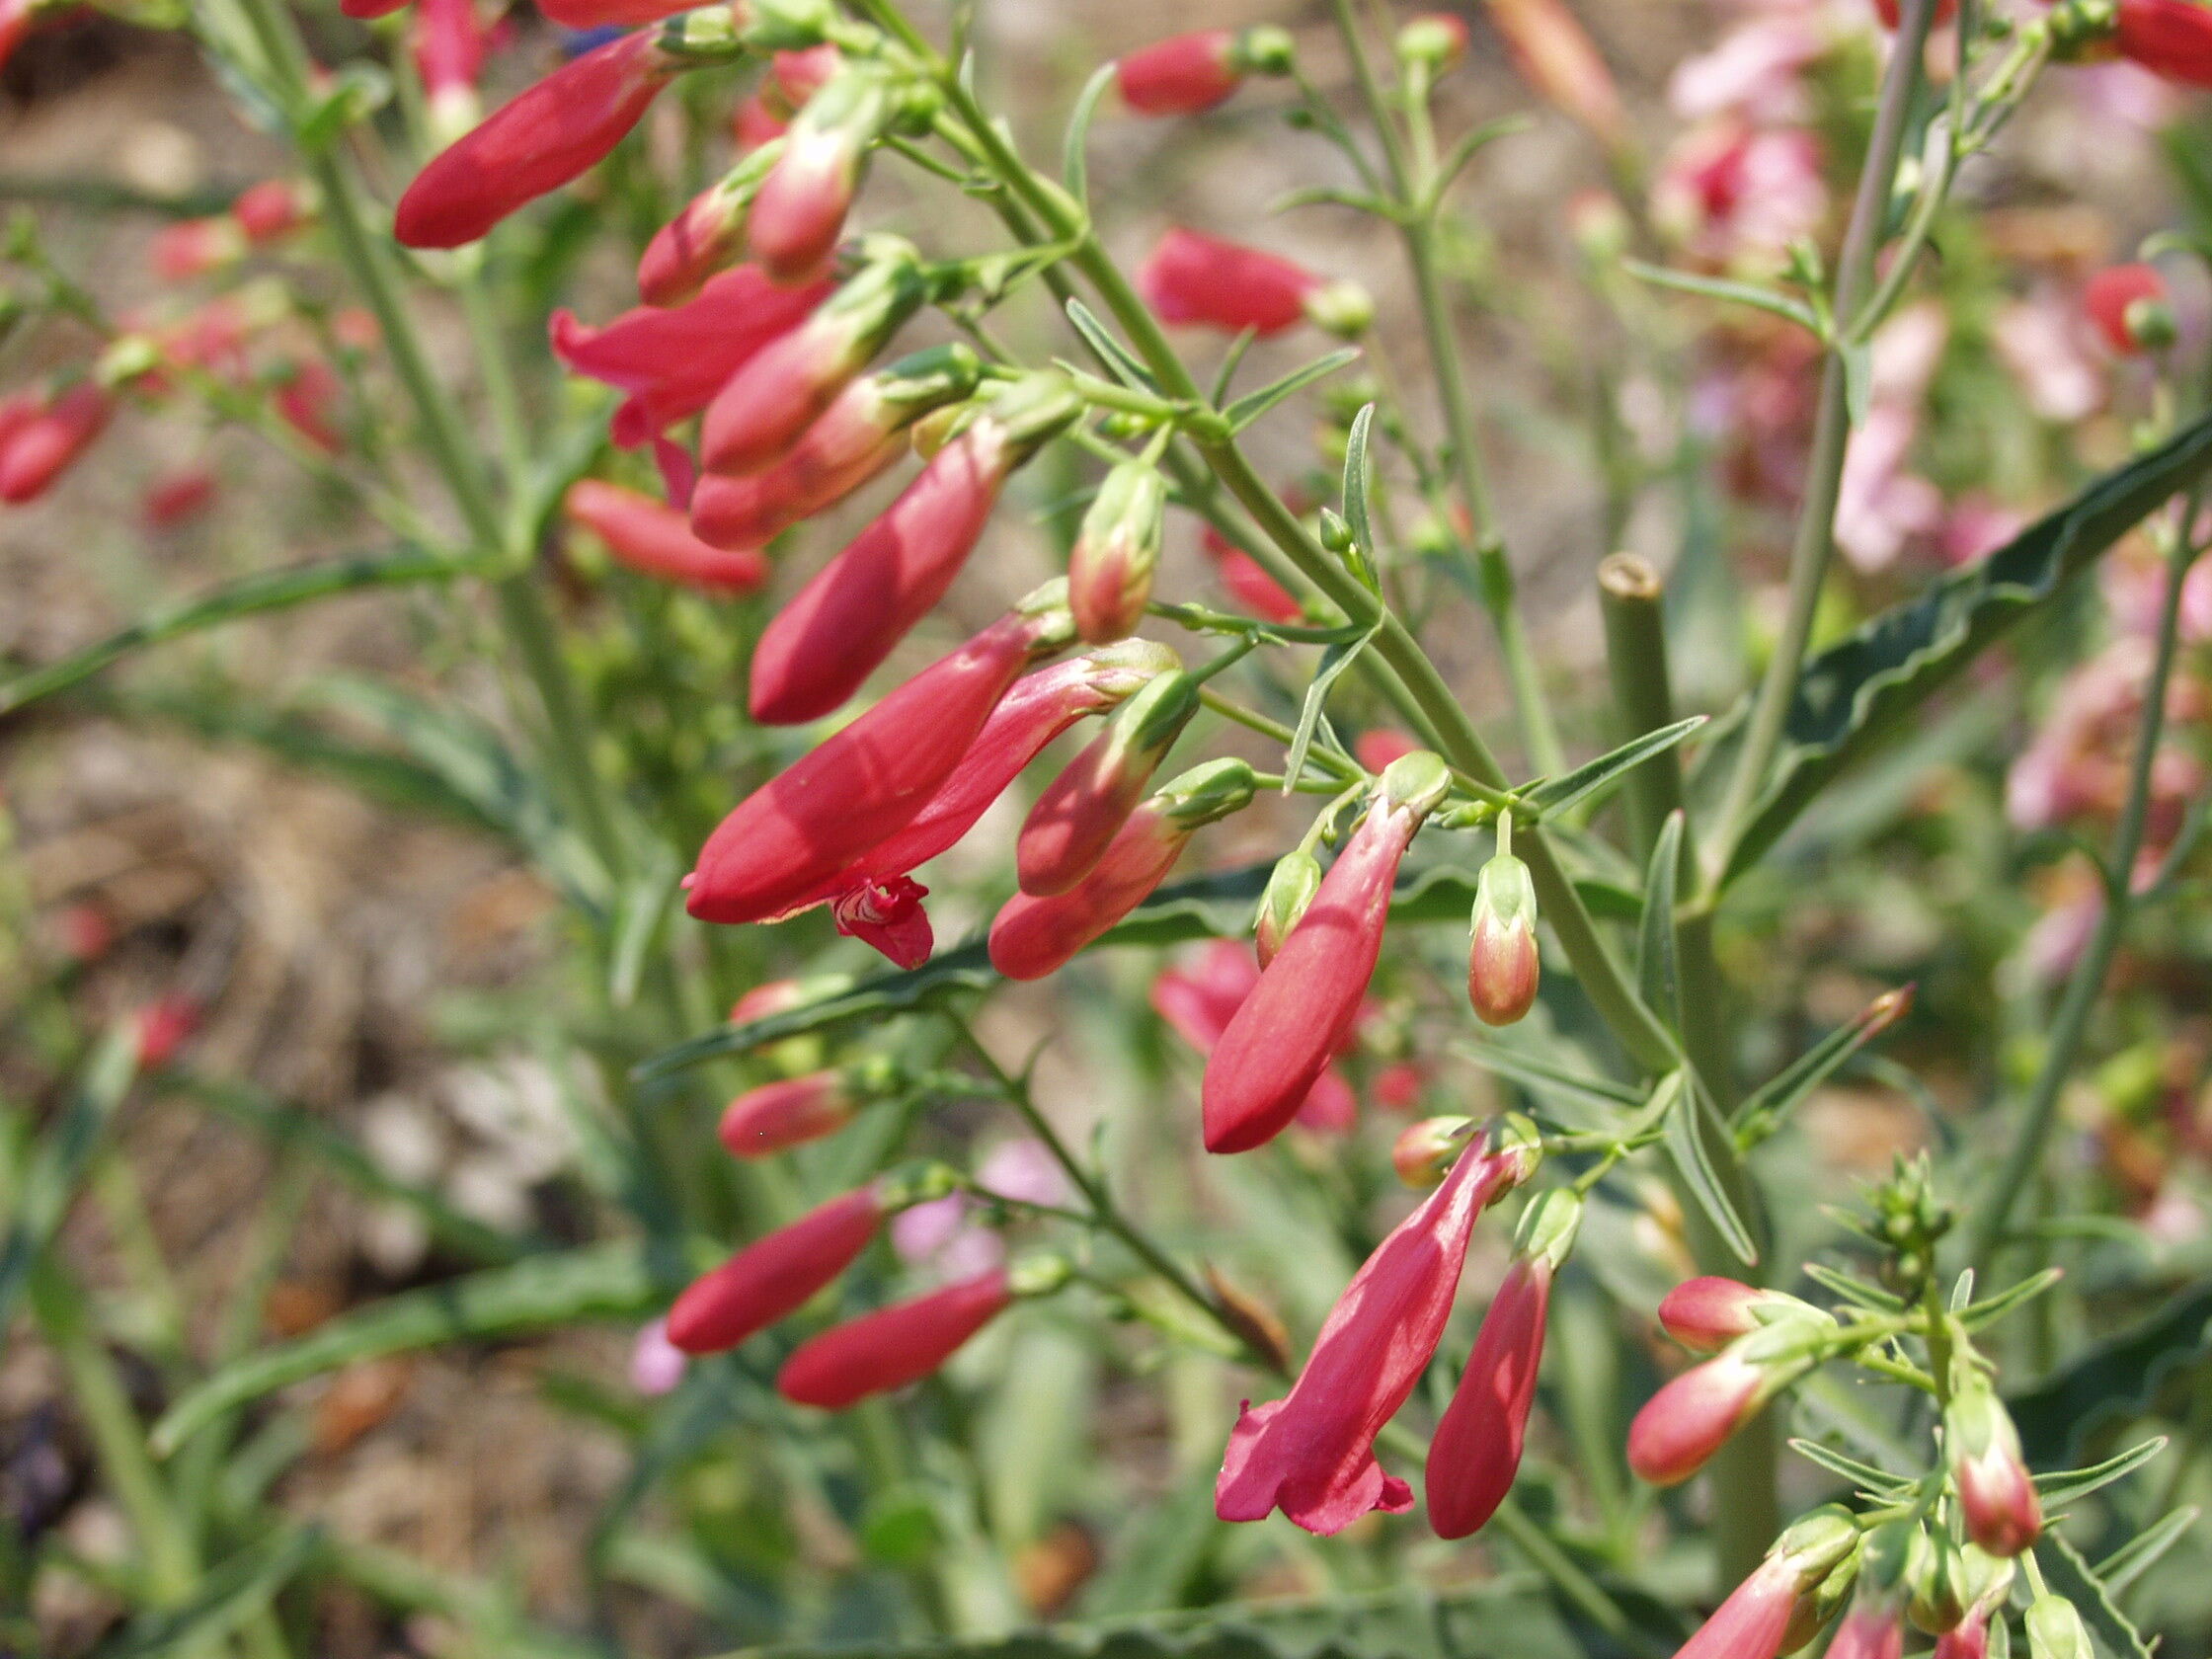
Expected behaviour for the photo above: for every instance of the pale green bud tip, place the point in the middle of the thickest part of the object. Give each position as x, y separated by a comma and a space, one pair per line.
1548, 1228
782, 25
1436, 41
2055, 1631
1344, 309
920, 1182
1290, 888
1516, 1137
1425, 1152
1038, 1276
1815, 1545
1207, 792
1419, 780
1265, 51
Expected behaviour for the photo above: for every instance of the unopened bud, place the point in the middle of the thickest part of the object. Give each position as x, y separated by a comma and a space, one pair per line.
1706, 1314
1434, 40
2055, 1631
1082, 809
1341, 308
1207, 793
1418, 781
1934, 1580
1996, 1495
1296, 877
1547, 1229
1038, 1276
1425, 1152
1504, 964
1110, 572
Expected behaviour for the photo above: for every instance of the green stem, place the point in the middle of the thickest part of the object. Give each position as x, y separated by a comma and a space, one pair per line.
2025, 1161
1417, 226
1816, 523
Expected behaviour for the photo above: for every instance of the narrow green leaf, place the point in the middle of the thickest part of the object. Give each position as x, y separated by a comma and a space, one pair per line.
1334, 660
1074, 149
1111, 351
1252, 405
61, 1159
2069, 1485
1658, 968
1879, 1482
1995, 1308
599, 1281
1554, 796
248, 595
1608, 1099
1232, 359
1733, 293
640, 913
1787, 1089
2070, 1576
1686, 1128
1328, 196
2121, 1569
225, 1598
1869, 684
1356, 487
1854, 1291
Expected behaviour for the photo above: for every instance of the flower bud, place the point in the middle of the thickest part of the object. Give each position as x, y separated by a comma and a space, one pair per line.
1425, 1152
1110, 570
1291, 889
2055, 1631
1182, 75
853, 440
672, 361
892, 1347
194, 247
1690, 1419
1080, 811
1503, 961
272, 208
40, 438
707, 237
164, 1026
789, 1113
1934, 1580
1434, 40
1706, 1314
655, 539
781, 996
536, 142
1996, 1495
1555, 57
657, 1365
843, 624
773, 398
1308, 997
1035, 936
775, 1274
868, 780
800, 210
2131, 309
1868, 1631
2172, 38
1190, 278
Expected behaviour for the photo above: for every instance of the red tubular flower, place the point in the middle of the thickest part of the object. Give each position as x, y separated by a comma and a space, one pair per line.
1707, 1314
1308, 998
1555, 57
272, 208
609, 14
536, 142
1312, 1454
2129, 305
365, 10
1504, 965
194, 247
760, 412
450, 44
38, 443
892, 1347
774, 1274
1199, 1001
177, 498
757, 122
789, 1112
1868, 1632
308, 401
1755, 1621
867, 781
1110, 570
655, 539
1039, 708
707, 237
886, 913
165, 1025
1690, 1419
1249, 585
1203, 280
1890, 14
672, 362
2169, 38
1477, 1450
1292, 886
1181, 75
1996, 1495
839, 627
1035, 936
1081, 809
801, 209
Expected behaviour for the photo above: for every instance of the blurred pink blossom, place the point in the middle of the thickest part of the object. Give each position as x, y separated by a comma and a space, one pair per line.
656, 1363
942, 1235
1757, 72
2133, 578
2050, 350
1881, 506
1730, 192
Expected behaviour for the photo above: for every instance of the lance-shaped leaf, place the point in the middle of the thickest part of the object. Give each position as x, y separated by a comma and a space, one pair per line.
1334, 660
1599, 1095
1763, 1112
221, 1602
49, 1186
2145, 1551
1658, 966
2070, 1576
1111, 351
1356, 487
1875, 1482
547, 1293
1252, 405
2069, 1485
1554, 796
1769, 300
1074, 149
1687, 1126
1869, 685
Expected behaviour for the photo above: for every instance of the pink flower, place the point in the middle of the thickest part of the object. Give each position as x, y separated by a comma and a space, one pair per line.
1706, 1314
1756, 72
165, 1025
1996, 1495
1753, 1622
866, 782
1690, 1419
1192, 279
672, 362
194, 247
780, 391
2130, 306
1247, 583
1477, 1450
1555, 56
41, 439
657, 1365
609, 14
272, 208
787, 1113
1308, 998
1504, 965
450, 47
886, 914
839, 627
859, 435
655, 539
1198, 1000
1729, 192
1181, 75
1312, 1454
1034, 936
1868, 1632
538, 142
1081, 809
1110, 570
177, 498
892, 1347
774, 1276
2045, 343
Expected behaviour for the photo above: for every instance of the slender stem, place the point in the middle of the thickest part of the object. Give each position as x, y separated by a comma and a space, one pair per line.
1629, 597
2025, 1161
1816, 523
1417, 226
